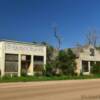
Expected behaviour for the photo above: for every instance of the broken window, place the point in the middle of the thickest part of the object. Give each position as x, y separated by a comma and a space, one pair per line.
38, 63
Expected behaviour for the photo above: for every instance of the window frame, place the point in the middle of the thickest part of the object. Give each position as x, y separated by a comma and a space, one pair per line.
11, 61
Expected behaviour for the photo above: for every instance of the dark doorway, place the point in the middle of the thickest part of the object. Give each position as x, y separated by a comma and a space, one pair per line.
85, 67
25, 64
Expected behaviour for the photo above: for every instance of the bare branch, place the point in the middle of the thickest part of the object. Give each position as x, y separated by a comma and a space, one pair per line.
57, 37
92, 38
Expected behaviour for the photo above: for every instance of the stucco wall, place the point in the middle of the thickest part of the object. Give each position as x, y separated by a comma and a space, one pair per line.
20, 48
85, 55
2, 57
11, 47
0, 54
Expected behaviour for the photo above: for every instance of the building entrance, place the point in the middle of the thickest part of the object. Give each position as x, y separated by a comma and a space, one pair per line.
25, 64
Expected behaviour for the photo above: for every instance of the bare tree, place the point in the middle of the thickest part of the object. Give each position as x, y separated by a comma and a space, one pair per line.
92, 38
88, 37
57, 37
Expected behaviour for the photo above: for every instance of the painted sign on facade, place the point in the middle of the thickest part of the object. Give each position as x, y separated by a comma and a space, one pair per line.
15, 47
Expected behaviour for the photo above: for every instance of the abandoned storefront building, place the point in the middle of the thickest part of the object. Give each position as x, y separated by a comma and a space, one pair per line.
86, 56
17, 58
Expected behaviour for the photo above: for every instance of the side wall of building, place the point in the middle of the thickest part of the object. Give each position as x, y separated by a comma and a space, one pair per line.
0, 55
2, 58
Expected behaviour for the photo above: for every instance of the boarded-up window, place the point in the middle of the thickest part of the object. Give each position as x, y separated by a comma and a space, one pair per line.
38, 68
38, 63
11, 63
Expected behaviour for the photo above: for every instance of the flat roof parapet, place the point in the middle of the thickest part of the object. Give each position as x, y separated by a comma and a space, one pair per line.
30, 43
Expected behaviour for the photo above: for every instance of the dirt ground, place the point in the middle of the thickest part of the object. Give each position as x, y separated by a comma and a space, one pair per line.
51, 90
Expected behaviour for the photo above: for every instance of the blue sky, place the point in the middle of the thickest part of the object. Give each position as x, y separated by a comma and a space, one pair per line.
33, 20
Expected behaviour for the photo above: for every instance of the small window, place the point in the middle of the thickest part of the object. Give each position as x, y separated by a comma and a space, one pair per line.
38, 58
26, 58
11, 57
92, 53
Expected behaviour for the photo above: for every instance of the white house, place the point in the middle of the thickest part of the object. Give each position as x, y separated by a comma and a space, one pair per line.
18, 57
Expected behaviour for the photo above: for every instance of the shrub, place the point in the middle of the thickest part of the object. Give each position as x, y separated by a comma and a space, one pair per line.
66, 62
49, 70
95, 69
